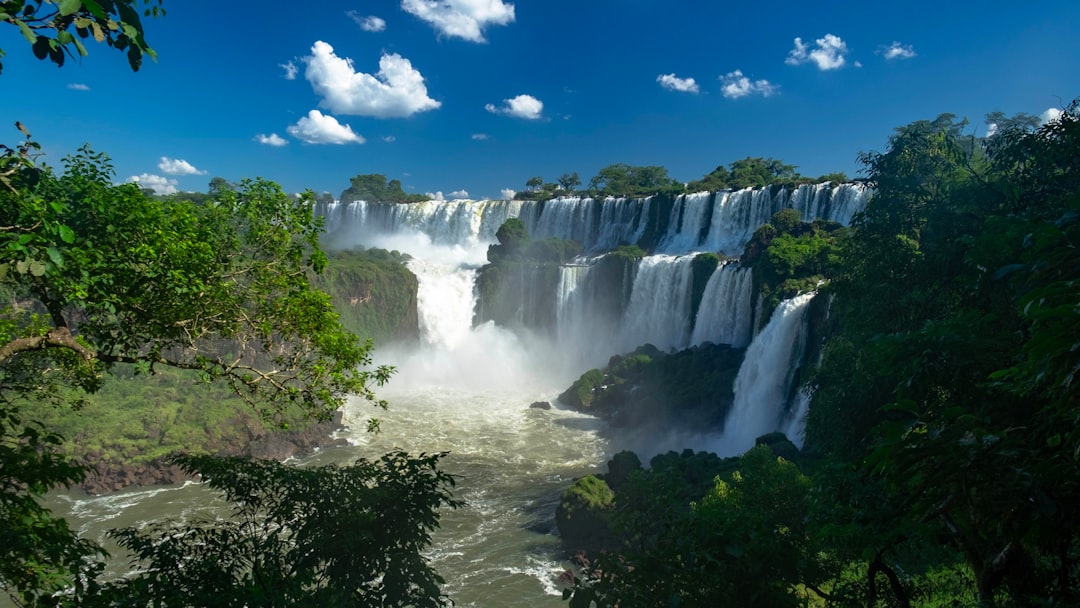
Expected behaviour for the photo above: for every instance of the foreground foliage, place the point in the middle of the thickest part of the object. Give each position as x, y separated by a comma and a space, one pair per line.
944, 413
99, 278
325, 537
56, 29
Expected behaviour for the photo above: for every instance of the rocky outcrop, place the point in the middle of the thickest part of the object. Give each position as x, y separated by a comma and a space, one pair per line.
690, 389
104, 477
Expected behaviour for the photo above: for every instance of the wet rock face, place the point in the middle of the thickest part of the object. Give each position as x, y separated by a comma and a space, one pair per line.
111, 477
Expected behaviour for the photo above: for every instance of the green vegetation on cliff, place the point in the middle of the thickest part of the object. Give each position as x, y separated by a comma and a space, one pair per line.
374, 292
518, 285
692, 388
373, 188
944, 407
790, 256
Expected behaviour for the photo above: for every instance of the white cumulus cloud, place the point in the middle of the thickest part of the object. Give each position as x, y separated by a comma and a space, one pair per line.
436, 196
897, 51
396, 91
1050, 115
522, 106
828, 53
78, 86
480, 136
157, 183
673, 82
736, 85
369, 23
991, 129
461, 18
459, 194
318, 128
177, 166
507, 194
272, 139
389, 139
290, 70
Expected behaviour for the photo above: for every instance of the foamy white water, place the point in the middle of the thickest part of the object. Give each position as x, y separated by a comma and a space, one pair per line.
765, 377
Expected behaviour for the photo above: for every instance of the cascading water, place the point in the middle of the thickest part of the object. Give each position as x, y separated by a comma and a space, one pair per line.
466, 390
764, 382
719, 222
659, 309
726, 312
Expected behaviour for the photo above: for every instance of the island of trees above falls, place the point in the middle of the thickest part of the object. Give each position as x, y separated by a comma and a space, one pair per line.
936, 463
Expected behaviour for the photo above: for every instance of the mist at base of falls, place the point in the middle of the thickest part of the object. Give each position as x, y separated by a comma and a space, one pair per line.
467, 390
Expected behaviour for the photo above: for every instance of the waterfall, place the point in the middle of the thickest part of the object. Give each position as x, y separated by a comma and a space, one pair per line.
460, 222
600, 225
689, 217
444, 300
725, 315
763, 384
720, 222
659, 309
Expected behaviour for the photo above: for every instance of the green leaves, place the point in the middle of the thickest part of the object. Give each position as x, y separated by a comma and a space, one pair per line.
46, 25
69, 7
324, 537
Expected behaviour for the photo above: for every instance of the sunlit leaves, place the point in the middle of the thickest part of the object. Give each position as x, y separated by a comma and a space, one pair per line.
48, 25
325, 537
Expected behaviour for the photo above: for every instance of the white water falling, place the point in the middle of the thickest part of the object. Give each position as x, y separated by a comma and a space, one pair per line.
764, 380
725, 315
735, 217
688, 219
659, 309
795, 426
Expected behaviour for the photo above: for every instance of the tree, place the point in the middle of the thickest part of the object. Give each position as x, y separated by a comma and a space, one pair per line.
219, 186
324, 537
98, 275
534, 182
746, 538
626, 180
569, 181
373, 188
953, 356
48, 25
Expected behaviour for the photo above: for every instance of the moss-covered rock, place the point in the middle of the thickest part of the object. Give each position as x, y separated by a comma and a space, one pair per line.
584, 515
692, 388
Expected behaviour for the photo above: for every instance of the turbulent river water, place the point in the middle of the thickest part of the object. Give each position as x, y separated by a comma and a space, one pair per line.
467, 391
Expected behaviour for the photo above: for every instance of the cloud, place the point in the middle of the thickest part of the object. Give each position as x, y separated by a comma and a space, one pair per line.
736, 85
290, 70
464, 19
370, 23
389, 139
436, 196
459, 194
78, 86
397, 91
507, 194
170, 166
828, 53
1051, 115
897, 51
991, 129
684, 85
157, 183
318, 128
271, 140
480, 136
522, 106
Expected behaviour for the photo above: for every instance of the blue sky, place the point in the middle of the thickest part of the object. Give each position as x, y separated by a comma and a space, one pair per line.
477, 96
